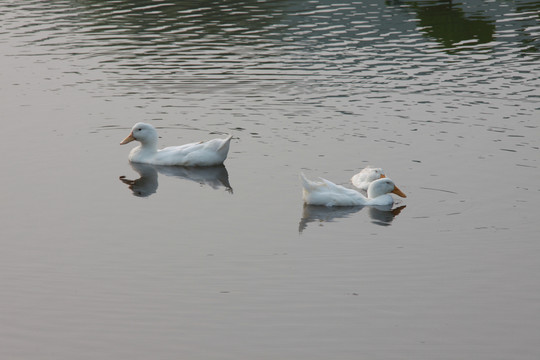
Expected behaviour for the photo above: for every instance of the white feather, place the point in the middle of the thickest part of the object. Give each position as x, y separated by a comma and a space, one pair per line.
204, 153
327, 193
366, 177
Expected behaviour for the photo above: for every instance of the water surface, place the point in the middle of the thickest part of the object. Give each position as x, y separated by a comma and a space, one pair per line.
102, 259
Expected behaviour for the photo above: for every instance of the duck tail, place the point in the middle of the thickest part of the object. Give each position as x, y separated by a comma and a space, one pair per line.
307, 187
226, 143
307, 184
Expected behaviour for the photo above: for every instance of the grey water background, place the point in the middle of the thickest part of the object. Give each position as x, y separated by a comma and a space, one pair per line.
100, 259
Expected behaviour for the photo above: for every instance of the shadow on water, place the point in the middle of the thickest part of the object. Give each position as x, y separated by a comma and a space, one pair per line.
147, 183
380, 215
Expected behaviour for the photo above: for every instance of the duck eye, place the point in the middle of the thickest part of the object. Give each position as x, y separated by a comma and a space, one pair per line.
139, 129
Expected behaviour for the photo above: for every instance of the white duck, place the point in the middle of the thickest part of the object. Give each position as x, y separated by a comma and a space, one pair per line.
329, 194
366, 177
204, 153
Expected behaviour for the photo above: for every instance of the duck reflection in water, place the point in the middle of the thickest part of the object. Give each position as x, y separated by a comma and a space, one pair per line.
147, 183
380, 215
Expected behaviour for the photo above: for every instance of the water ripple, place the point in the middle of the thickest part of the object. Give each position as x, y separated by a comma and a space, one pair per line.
338, 48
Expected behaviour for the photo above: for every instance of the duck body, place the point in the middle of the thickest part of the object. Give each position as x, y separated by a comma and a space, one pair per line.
327, 193
204, 153
366, 176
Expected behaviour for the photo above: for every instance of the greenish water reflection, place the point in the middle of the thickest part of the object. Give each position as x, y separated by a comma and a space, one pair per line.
452, 23
449, 25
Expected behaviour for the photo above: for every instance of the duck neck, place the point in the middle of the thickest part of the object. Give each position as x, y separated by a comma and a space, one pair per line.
149, 145
372, 192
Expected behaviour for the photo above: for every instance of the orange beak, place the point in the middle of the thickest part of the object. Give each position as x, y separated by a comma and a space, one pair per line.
382, 176
398, 192
129, 139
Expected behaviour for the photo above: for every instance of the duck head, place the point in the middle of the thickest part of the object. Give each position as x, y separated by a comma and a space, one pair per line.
383, 186
145, 133
376, 173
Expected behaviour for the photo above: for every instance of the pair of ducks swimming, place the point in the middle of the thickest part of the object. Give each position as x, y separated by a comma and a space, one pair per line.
214, 152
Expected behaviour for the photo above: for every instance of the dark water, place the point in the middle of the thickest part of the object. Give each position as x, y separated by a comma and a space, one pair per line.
101, 259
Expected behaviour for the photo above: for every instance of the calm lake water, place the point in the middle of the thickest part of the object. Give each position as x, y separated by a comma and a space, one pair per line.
104, 260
